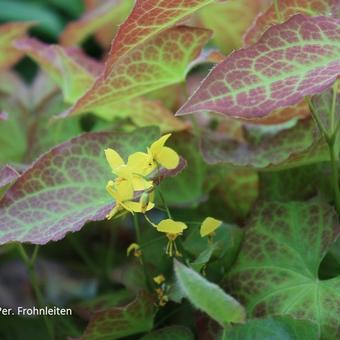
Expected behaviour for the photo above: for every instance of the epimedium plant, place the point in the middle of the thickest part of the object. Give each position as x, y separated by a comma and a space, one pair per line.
234, 200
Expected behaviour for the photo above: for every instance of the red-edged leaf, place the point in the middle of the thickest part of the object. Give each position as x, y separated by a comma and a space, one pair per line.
147, 19
116, 323
160, 62
10, 32
291, 61
106, 16
65, 188
287, 8
70, 68
7, 175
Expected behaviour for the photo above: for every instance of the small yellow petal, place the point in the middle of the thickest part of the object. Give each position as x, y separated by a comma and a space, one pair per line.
140, 163
133, 247
170, 226
158, 144
140, 183
209, 225
113, 212
137, 207
113, 158
159, 279
167, 158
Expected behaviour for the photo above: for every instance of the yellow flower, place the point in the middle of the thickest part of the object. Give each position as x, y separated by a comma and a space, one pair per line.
172, 229
135, 248
159, 279
163, 155
131, 172
122, 192
209, 226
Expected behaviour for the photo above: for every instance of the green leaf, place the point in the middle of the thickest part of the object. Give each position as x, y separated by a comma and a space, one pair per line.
274, 328
116, 323
277, 268
208, 297
170, 333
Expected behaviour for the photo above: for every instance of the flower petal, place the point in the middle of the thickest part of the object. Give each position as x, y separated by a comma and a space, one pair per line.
209, 225
113, 158
158, 144
170, 226
168, 158
137, 207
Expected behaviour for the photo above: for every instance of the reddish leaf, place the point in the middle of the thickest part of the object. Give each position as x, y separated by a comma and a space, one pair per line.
287, 9
65, 187
70, 68
10, 32
119, 322
7, 175
160, 62
106, 16
254, 81
148, 18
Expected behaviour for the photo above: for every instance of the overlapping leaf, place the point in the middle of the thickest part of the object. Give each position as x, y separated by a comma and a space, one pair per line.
160, 62
277, 269
266, 148
69, 67
10, 32
7, 175
104, 18
292, 60
287, 8
229, 20
65, 188
119, 322
147, 19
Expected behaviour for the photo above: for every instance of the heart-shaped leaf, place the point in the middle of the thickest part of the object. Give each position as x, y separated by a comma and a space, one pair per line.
277, 268
208, 297
254, 81
65, 187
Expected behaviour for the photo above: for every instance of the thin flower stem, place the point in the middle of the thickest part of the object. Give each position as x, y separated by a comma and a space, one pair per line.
30, 265
335, 174
164, 204
139, 241
224, 334
277, 11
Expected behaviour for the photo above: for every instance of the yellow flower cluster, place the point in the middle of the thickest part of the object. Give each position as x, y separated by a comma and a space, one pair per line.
133, 176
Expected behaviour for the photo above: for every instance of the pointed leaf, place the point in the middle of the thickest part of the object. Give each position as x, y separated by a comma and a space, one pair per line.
10, 32
287, 8
147, 19
107, 15
119, 322
254, 81
208, 297
279, 327
160, 62
65, 187
277, 268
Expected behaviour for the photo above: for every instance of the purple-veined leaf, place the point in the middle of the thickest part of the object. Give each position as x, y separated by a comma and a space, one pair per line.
7, 175
162, 61
287, 8
65, 187
292, 60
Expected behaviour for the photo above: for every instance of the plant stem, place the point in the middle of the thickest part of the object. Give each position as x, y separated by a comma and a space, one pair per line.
164, 203
139, 241
30, 265
335, 173
224, 334
277, 11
